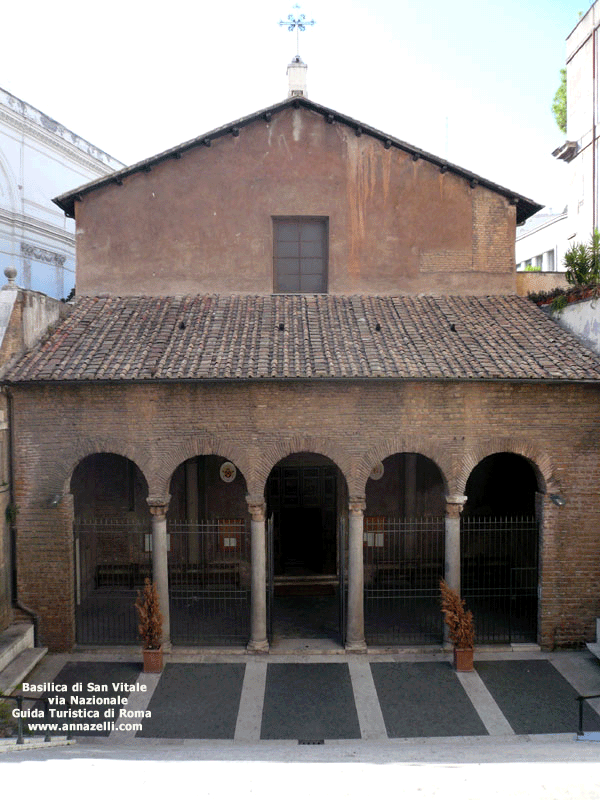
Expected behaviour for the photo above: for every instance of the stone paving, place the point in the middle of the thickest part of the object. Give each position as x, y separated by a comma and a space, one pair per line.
324, 698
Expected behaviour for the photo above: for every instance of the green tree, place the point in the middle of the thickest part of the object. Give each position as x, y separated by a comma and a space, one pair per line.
582, 262
559, 104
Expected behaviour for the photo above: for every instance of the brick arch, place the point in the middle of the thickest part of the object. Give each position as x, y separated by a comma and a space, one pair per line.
539, 460
175, 453
63, 472
270, 456
404, 444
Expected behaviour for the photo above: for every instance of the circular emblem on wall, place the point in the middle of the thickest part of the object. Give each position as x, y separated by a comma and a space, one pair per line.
228, 472
376, 472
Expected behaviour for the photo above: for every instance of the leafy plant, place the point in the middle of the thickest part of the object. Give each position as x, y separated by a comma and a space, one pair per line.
583, 262
559, 102
150, 618
459, 621
559, 302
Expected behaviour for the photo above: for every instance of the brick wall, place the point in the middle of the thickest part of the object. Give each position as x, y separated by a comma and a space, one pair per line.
356, 424
396, 225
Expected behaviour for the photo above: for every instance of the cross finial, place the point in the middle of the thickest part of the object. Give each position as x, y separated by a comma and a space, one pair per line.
297, 24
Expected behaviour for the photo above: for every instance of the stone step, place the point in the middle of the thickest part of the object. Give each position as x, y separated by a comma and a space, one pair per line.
14, 640
20, 667
594, 647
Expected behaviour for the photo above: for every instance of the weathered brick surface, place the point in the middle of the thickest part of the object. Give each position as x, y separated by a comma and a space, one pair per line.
176, 229
355, 423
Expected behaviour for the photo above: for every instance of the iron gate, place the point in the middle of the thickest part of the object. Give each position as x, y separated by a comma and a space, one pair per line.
112, 558
403, 564
270, 578
342, 569
499, 568
209, 581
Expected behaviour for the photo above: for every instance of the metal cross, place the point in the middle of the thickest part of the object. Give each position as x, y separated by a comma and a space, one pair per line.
297, 25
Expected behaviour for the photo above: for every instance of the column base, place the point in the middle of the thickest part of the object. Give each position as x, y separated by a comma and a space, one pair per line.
167, 646
356, 647
258, 647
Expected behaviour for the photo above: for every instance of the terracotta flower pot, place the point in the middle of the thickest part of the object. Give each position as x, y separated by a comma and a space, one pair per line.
153, 660
463, 659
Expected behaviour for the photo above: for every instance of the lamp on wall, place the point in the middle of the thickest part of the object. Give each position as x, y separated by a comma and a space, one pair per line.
558, 500
54, 500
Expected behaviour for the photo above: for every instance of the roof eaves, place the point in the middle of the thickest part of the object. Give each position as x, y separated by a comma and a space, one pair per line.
304, 379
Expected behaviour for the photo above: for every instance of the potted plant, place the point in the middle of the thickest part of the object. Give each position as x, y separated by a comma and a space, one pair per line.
150, 626
460, 627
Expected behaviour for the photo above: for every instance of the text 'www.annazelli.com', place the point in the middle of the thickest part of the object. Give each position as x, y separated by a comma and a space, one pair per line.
83, 727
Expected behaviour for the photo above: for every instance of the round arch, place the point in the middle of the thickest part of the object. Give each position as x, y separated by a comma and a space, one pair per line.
108, 484
389, 447
538, 460
322, 446
60, 476
175, 453
502, 484
205, 487
406, 484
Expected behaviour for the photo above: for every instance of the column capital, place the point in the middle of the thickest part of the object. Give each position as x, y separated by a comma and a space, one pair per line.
455, 504
357, 504
456, 499
158, 505
256, 506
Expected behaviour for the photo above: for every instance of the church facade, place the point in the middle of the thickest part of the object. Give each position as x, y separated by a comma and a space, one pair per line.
297, 388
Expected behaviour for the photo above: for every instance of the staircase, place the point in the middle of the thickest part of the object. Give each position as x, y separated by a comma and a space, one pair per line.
594, 647
18, 655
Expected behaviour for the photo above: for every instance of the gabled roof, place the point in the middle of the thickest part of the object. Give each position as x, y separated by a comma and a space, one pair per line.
525, 207
307, 337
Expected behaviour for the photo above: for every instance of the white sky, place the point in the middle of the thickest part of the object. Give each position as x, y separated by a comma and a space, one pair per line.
471, 81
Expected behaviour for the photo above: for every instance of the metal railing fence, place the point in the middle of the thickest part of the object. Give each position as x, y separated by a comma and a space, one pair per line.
499, 577
403, 564
112, 558
209, 581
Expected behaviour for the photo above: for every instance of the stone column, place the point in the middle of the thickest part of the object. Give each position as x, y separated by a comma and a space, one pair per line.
160, 565
258, 617
454, 507
355, 617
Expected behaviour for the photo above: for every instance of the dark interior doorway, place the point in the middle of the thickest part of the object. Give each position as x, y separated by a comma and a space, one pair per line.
500, 549
302, 500
301, 545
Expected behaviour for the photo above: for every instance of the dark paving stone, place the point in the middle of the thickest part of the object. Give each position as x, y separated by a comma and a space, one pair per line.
534, 697
306, 617
424, 699
309, 701
98, 674
195, 701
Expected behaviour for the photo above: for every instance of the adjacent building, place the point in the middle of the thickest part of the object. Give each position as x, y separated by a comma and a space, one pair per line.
542, 242
580, 150
40, 158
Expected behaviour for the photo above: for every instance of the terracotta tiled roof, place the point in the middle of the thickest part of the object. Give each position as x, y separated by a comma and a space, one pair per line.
309, 337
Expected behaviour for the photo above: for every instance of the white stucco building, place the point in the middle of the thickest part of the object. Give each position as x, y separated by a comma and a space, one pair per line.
580, 150
542, 242
40, 159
